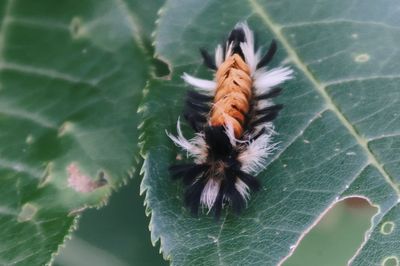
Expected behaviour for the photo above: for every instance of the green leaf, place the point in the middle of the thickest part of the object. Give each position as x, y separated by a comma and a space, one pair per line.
339, 133
116, 234
71, 77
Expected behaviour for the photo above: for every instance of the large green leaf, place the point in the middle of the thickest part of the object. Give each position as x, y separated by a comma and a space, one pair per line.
114, 235
339, 133
71, 76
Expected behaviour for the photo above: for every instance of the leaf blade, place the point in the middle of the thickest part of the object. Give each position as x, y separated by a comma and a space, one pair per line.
317, 125
71, 76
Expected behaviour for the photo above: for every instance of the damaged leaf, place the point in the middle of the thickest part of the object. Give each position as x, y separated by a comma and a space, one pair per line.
338, 133
71, 78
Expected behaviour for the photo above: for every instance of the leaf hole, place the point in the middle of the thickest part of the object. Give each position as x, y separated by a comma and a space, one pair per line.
362, 58
343, 227
102, 179
46, 177
161, 69
387, 228
76, 28
390, 261
28, 211
29, 139
65, 128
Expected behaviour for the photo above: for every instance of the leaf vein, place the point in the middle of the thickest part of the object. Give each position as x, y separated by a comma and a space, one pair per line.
321, 89
49, 73
337, 21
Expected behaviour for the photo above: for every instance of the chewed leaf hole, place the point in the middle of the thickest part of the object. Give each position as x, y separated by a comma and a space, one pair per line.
387, 228
161, 69
102, 179
27, 212
362, 58
76, 27
29, 139
390, 261
81, 182
343, 227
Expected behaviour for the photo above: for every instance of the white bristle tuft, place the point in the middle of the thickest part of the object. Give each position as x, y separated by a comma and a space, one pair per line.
247, 47
219, 56
231, 134
210, 193
196, 147
264, 80
202, 84
242, 188
254, 156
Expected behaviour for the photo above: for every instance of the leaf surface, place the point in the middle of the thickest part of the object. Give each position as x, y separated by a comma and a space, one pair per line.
71, 78
339, 132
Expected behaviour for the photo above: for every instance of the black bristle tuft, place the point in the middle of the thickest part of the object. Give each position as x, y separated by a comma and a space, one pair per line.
195, 96
255, 135
218, 142
177, 170
197, 107
266, 118
236, 37
188, 172
270, 116
196, 121
237, 201
234, 197
208, 59
271, 94
268, 56
193, 195
270, 109
252, 182
219, 201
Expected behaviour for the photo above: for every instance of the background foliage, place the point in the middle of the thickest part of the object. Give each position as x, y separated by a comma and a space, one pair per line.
74, 73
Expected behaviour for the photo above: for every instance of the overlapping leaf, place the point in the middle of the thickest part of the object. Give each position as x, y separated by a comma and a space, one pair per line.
71, 78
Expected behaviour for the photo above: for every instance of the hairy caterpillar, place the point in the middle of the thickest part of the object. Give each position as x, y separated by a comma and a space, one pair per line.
232, 116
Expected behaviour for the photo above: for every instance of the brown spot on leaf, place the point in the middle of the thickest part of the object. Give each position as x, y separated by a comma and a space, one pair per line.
79, 181
28, 211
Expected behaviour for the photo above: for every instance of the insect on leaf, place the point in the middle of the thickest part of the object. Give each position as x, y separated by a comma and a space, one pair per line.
338, 133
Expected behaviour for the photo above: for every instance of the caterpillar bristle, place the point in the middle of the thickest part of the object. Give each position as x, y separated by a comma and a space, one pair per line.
188, 172
197, 107
270, 116
195, 96
270, 109
252, 182
271, 94
207, 59
269, 55
232, 116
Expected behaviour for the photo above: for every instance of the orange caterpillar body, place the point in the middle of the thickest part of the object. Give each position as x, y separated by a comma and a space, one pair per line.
232, 117
233, 94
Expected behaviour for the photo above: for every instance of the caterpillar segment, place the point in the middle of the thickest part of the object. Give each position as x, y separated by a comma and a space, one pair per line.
232, 118
232, 97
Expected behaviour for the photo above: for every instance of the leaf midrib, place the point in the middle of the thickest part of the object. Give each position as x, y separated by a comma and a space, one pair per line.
132, 20
321, 90
3, 27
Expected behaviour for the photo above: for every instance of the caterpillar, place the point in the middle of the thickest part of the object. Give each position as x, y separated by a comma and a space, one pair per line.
231, 116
